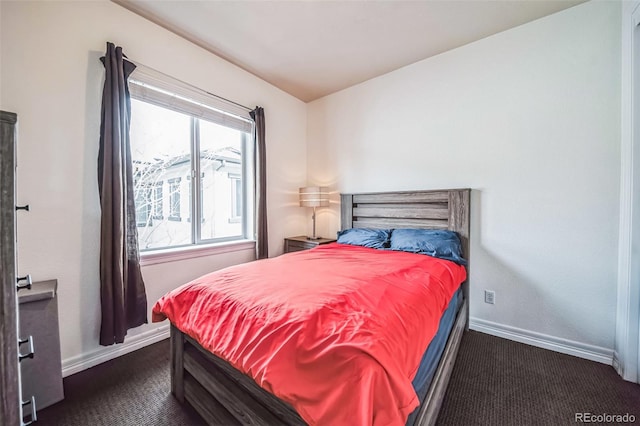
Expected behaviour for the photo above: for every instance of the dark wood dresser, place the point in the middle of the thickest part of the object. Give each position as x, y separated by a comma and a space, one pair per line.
15, 348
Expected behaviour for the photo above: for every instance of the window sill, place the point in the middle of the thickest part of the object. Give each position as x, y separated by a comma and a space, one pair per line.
172, 255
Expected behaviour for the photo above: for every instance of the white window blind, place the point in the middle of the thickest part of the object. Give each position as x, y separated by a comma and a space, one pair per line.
154, 87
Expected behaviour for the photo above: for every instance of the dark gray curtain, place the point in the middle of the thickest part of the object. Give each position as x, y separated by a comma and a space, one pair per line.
262, 238
122, 293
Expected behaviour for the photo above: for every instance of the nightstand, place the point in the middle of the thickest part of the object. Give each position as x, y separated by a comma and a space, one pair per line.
292, 244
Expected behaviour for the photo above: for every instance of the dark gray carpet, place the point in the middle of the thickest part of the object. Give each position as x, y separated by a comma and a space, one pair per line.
500, 382
495, 382
132, 390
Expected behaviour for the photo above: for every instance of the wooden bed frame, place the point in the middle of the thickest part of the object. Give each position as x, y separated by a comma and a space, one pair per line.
224, 396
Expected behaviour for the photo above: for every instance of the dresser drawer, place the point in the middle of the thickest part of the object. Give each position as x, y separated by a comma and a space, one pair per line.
292, 244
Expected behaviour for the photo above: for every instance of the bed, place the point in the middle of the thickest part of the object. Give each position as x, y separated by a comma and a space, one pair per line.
222, 395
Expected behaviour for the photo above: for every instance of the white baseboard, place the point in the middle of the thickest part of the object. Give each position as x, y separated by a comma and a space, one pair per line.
557, 344
617, 365
82, 362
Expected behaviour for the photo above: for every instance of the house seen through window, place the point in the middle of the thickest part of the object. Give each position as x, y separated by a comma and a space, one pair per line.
169, 147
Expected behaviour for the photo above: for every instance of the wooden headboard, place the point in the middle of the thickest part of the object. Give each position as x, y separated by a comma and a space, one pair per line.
440, 209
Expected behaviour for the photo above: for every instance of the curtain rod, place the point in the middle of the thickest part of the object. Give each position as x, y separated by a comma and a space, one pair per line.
137, 64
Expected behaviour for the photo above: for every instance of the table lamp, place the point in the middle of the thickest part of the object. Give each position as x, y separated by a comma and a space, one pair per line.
314, 196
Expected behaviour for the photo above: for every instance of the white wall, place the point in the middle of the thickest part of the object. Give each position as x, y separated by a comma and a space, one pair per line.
52, 78
528, 118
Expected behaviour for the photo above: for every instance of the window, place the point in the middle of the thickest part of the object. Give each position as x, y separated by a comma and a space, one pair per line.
236, 197
157, 201
174, 199
178, 132
143, 207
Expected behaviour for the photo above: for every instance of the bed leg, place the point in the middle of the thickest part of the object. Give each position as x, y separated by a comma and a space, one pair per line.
177, 365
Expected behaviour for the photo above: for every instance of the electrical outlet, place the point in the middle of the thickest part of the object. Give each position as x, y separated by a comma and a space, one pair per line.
489, 297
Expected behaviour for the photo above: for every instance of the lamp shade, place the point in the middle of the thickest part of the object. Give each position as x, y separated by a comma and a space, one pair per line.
314, 196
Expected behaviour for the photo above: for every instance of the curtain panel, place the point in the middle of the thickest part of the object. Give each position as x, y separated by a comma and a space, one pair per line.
262, 237
122, 293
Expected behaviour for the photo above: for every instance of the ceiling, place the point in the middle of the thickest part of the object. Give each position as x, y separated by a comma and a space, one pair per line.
310, 49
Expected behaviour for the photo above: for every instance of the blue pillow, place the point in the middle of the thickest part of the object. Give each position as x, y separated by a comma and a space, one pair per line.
438, 243
366, 237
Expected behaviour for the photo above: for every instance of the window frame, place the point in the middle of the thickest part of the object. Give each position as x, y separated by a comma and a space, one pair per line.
144, 81
192, 203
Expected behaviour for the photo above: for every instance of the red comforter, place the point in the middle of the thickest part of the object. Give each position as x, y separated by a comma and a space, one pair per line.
338, 331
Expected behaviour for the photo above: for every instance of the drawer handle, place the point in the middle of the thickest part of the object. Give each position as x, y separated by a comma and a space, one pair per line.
34, 416
26, 278
26, 207
31, 352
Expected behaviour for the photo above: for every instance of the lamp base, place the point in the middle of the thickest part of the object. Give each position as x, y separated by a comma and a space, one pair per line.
314, 238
